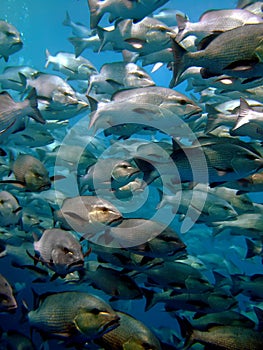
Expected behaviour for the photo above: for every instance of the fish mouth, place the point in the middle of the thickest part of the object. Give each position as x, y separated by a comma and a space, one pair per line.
76, 264
111, 325
45, 187
192, 115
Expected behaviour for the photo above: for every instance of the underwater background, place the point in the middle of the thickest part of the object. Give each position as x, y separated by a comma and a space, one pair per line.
40, 24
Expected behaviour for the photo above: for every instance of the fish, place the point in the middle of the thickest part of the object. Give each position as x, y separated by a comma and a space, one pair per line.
167, 16
119, 173
10, 209
222, 337
60, 251
214, 22
10, 40
250, 286
12, 112
13, 339
121, 9
76, 316
117, 76
78, 29
216, 61
149, 238
113, 282
75, 68
249, 122
8, 302
144, 37
11, 77
130, 334
87, 214
205, 205
30, 173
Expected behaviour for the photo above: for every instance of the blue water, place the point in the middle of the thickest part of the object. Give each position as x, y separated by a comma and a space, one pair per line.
40, 24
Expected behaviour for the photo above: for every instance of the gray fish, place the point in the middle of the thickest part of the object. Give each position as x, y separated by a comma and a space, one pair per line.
75, 68
87, 214
31, 173
222, 337
144, 37
10, 40
121, 9
116, 76
215, 22
119, 173
11, 77
7, 300
52, 88
131, 334
76, 316
12, 112
10, 210
223, 55
113, 282
60, 251
249, 122
167, 16
78, 29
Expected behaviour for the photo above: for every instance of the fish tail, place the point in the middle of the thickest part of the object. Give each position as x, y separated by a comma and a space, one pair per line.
67, 21
186, 331
47, 58
150, 299
35, 114
251, 249
243, 115
179, 64
102, 33
96, 12
79, 45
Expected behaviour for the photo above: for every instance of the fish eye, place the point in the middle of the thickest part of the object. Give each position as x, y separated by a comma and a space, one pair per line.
225, 208
10, 34
182, 102
67, 251
104, 209
95, 311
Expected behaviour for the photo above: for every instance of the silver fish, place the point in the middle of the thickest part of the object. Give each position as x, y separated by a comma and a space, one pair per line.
11, 77
87, 214
10, 210
75, 68
12, 112
116, 76
78, 29
10, 40
121, 9
60, 251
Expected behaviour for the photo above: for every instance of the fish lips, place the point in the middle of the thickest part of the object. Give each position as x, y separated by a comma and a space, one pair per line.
109, 326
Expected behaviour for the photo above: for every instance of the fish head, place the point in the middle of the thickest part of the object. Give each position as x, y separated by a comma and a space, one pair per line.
36, 177
10, 210
124, 172
67, 257
96, 321
10, 39
7, 299
104, 213
63, 96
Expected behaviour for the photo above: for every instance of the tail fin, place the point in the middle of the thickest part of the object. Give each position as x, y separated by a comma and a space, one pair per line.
47, 58
186, 331
179, 61
243, 116
79, 45
67, 20
150, 299
35, 113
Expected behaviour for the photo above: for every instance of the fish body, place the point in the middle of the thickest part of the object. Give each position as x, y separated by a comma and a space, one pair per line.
144, 37
75, 68
121, 9
10, 40
116, 76
114, 283
10, 210
11, 77
29, 171
78, 29
76, 315
12, 112
215, 22
227, 337
87, 214
226, 54
131, 334
7, 299
60, 251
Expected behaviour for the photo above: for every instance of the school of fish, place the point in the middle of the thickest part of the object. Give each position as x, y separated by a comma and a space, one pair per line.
121, 201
